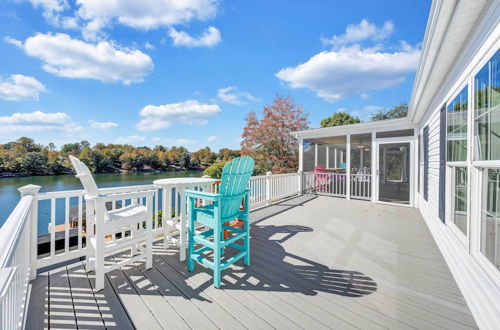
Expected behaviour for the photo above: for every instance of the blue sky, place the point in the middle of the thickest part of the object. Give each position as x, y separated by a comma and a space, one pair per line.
152, 72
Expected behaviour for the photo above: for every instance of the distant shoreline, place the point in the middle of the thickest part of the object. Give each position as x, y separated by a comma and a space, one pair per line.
10, 175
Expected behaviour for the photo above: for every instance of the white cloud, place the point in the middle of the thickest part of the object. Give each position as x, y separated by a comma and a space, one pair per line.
132, 139
356, 33
53, 13
104, 125
72, 58
37, 121
209, 38
232, 95
18, 87
334, 75
144, 15
173, 141
213, 138
190, 112
372, 108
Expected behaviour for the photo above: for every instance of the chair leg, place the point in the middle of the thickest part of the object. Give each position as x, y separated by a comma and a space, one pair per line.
217, 254
99, 264
246, 259
149, 232
133, 249
89, 264
190, 263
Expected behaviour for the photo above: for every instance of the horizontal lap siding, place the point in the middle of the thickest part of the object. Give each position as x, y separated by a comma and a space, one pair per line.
432, 205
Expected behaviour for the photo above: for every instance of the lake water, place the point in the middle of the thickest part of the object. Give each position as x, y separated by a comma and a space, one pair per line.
9, 196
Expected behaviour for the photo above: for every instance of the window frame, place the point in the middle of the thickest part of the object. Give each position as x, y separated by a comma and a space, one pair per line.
477, 172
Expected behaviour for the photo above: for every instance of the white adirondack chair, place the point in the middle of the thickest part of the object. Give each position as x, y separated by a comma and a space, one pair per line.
101, 223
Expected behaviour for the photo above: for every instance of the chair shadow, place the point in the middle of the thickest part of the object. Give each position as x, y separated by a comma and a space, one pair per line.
274, 269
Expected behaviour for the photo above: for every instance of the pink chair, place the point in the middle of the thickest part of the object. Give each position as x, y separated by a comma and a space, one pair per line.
320, 181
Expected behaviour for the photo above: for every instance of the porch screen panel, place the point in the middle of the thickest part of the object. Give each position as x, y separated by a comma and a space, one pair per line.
426, 162
308, 156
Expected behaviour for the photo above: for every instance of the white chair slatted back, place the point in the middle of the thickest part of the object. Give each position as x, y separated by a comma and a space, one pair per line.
83, 173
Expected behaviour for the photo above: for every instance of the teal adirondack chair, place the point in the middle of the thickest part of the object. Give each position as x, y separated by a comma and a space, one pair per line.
221, 208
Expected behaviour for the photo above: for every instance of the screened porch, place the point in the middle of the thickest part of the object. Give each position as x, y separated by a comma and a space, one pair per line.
374, 163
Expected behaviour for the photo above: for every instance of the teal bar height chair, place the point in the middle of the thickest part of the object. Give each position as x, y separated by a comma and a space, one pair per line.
215, 212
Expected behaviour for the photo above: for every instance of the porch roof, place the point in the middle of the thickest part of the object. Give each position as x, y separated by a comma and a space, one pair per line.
368, 127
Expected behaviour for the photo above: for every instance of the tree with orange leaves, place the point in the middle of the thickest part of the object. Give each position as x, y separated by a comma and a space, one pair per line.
269, 140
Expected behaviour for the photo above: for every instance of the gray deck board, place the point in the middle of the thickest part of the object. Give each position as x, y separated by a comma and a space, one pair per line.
87, 312
315, 263
39, 302
61, 310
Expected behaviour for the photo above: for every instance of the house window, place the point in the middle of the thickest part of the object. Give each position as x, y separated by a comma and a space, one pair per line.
490, 217
487, 110
456, 120
459, 198
487, 155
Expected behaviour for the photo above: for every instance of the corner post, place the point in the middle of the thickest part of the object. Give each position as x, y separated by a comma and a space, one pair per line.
301, 165
32, 190
348, 167
268, 187
315, 155
374, 175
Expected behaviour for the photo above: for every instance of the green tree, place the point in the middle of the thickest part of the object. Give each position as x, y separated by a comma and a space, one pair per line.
225, 154
399, 111
34, 163
215, 170
339, 118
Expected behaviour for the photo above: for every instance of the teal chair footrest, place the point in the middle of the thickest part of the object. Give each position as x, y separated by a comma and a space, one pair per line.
233, 259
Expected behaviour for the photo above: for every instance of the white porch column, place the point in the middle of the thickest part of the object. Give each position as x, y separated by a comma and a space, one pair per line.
315, 155
348, 167
32, 190
301, 155
374, 175
327, 155
301, 165
336, 164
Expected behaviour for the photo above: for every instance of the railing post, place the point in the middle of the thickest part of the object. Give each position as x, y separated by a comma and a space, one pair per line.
268, 187
300, 182
348, 167
32, 190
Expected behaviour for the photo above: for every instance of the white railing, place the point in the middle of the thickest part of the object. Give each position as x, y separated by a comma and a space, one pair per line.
15, 266
330, 184
334, 184
63, 214
258, 191
361, 186
66, 213
282, 185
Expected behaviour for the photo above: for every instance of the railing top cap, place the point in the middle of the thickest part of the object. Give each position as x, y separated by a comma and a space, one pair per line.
30, 188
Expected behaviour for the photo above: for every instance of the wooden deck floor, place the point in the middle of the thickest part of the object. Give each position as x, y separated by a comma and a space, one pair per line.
316, 263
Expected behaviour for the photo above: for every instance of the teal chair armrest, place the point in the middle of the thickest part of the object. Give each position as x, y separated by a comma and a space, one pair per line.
203, 195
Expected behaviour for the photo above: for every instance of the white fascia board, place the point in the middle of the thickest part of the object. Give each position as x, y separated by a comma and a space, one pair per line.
369, 127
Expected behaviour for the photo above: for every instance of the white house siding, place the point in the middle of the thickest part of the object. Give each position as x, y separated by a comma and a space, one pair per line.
481, 289
432, 205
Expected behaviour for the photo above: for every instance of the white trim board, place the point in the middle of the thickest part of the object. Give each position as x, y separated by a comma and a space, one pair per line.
480, 293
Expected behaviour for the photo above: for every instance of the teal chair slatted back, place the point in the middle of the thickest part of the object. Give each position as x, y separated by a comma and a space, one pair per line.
234, 181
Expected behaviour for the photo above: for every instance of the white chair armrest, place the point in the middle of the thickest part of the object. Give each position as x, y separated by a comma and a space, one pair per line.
121, 196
